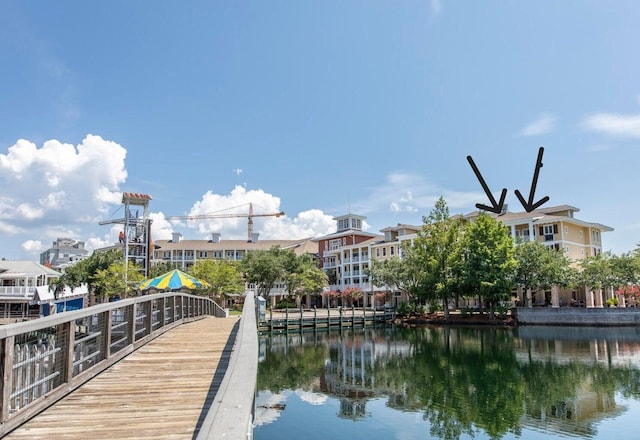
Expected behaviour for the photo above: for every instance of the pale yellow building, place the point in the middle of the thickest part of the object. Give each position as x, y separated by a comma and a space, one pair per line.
557, 228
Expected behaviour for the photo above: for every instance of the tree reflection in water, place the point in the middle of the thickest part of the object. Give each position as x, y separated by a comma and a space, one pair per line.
464, 381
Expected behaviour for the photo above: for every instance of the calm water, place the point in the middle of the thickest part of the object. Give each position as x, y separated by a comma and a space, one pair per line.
450, 383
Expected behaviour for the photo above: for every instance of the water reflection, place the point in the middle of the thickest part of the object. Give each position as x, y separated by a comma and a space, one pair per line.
464, 382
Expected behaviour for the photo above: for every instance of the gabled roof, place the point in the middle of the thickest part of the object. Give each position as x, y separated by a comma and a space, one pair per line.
401, 226
45, 294
542, 216
346, 233
12, 269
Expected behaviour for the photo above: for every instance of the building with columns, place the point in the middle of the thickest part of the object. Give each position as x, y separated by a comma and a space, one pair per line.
347, 254
557, 228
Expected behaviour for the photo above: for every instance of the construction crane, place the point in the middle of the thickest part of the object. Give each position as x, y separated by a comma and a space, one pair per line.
249, 216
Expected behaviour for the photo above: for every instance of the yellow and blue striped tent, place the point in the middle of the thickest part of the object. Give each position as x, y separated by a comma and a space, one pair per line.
173, 280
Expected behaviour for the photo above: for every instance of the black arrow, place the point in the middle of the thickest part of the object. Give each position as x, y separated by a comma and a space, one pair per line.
529, 205
495, 207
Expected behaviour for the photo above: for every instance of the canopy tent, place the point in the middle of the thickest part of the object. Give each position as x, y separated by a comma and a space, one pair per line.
173, 280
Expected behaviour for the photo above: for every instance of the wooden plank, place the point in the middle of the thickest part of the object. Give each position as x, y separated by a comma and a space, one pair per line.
160, 391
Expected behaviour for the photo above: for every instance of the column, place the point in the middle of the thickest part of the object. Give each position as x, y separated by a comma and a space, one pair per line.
589, 296
531, 231
555, 296
598, 298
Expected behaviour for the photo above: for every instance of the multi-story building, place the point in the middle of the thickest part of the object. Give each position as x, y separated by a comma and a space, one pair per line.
25, 293
63, 253
556, 227
347, 254
182, 254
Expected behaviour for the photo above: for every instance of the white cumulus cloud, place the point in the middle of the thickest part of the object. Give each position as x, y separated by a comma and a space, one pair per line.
228, 214
33, 246
58, 189
627, 126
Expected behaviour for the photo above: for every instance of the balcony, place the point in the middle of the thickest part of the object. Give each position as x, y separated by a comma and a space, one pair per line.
17, 291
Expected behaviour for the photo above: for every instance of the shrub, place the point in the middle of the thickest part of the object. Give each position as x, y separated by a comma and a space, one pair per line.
613, 302
434, 307
501, 311
404, 309
286, 304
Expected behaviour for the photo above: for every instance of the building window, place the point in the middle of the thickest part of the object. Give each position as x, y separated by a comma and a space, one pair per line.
377, 252
391, 250
335, 244
384, 251
566, 230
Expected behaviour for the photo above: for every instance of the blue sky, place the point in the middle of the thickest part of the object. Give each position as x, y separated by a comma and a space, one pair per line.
316, 108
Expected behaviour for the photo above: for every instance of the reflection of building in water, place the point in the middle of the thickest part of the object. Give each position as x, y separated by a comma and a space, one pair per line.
562, 345
350, 370
577, 415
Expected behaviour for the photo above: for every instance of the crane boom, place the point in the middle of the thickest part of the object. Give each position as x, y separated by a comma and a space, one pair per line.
249, 216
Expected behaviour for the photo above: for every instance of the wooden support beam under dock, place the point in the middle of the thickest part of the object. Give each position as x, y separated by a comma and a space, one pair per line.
163, 390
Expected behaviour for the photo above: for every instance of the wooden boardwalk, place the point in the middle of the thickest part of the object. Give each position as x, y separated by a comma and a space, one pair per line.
161, 391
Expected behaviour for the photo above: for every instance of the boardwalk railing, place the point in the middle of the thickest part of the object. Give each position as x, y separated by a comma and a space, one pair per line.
44, 359
232, 413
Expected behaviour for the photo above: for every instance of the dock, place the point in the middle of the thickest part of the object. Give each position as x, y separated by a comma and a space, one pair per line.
301, 319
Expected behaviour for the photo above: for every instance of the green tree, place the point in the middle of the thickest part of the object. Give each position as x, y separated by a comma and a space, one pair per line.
540, 267
437, 251
599, 272
302, 276
489, 264
265, 268
395, 273
223, 277
110, 282
85, 272
161, 268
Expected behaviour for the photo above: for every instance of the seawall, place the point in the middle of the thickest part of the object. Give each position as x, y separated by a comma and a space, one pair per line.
577, 316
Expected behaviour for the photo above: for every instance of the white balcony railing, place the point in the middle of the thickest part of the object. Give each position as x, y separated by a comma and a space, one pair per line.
17, 291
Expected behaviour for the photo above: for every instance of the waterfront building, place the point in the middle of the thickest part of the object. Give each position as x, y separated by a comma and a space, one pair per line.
347, 254
182, 254
63, 253
557, 228
25, 293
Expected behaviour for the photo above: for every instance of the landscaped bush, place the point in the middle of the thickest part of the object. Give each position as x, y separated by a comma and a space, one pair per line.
613, 302
466, 311
435, 306
286, 304
404, 309
501, 311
